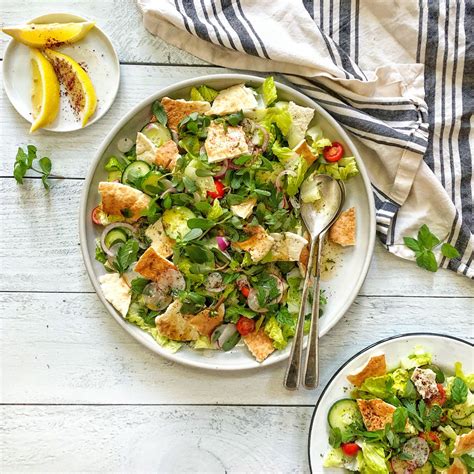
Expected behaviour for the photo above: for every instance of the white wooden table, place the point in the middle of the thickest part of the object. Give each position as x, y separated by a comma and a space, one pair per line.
78, 393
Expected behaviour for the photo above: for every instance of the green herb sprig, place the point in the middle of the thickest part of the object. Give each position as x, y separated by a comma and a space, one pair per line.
423, 247
24, 161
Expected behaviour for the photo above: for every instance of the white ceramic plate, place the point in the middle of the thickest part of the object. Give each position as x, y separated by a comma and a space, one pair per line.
341, 289
95, 51
446, 350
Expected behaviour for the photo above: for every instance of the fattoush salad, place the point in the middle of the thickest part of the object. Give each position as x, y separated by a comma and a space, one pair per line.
201, 237
415, 419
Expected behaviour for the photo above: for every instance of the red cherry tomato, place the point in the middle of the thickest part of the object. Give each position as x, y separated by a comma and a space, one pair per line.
350, 449
95, 215
245, 290
333, 153
245, 326
219, 192
432, 438
440, 398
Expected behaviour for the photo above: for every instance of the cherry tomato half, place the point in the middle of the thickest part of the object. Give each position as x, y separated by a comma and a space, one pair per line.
432, 438
333, 153
350, 449
440, 398
245, 326
245, 290
95, 215
219, 192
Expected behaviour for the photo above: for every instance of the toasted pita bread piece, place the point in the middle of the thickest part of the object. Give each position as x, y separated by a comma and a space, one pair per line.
287, 247
121, 200
259, 344
160, 242
116, 292
164, 155
374, 367
176, 110
233, 99
375, 413
153, 266
304, 150
258, 245
457, 467
343, 231
245, 208
224, 142
207, 320
174, 325
464, 444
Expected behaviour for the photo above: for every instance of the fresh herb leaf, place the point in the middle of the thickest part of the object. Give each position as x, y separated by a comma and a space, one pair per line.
24, 162
137, 285
45, 165
399, 421
468, 461
459, 391
100, 254
427, 260
200, 223
426, 238
192, 235
335, 437
235, 119
126, 255
190, 184
449, 251
439, 459
202, 173
412, 244
159, 113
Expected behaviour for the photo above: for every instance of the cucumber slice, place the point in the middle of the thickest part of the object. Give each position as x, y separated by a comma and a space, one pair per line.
175, 221
157, 133
467, 421
344, 413
134, 171
151, 183
114, 237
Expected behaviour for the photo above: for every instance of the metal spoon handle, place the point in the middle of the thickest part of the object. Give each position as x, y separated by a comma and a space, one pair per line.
292, 375
311, 366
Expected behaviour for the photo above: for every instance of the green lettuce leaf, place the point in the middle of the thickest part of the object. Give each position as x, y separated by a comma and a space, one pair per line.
400, 378
300, 167
203, 92
274, 332
269, 92
417, 359
284, 154
380, 386
203, 342
310, 192
373, 458
278, 115
468, 379
334, 458
293, 297
343, 169
216, 211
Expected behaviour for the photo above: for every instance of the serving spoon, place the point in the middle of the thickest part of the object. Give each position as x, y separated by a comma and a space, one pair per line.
317, 217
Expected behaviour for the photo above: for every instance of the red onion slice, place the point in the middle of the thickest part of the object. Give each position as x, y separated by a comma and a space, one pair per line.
280, 176
223, 170
222, 243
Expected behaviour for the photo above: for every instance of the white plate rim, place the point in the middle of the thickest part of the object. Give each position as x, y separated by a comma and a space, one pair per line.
410, 335
72, 18
153, 345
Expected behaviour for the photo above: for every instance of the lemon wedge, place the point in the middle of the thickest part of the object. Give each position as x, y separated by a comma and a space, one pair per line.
49, 34
45, 91
79, 87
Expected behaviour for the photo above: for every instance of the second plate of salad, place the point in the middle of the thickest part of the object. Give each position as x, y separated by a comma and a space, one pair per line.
190, 223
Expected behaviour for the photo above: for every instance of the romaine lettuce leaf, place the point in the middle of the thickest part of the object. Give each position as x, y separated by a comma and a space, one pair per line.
300, 167
468, 379
343, 169
203, 92
269, 92
417, 359
380, 386
293, 297
400, 378
203, 342
216, 211
373, 458
334, 458
284, 154
277, 114
274, 332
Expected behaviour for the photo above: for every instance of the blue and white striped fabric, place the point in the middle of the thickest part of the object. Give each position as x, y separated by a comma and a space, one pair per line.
398, 76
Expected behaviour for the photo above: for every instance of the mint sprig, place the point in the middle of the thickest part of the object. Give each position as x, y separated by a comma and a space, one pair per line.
24, 161
423, 247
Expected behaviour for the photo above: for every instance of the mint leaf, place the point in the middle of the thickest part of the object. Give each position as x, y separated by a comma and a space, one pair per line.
427, 238
137, 285
427, 260
335, 437
159, 112
412, 244
458, 391
45, 165
126, 255
24, 162
439, 459
19, 171
399, 421
31, 155
449, 251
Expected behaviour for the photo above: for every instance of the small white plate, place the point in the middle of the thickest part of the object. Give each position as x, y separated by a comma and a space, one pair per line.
446, 350
95, 52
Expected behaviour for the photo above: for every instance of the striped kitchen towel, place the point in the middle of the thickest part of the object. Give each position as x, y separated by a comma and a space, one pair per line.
397, 75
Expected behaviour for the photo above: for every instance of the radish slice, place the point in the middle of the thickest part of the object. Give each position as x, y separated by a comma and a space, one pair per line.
214, 283
222, 333
124, 145
222, 243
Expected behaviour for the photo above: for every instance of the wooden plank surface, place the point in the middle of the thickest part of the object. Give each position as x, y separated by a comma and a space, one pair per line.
155, 439
76, 353
39, 248
119, 19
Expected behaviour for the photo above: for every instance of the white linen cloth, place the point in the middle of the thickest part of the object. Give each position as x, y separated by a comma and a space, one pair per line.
396, 75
